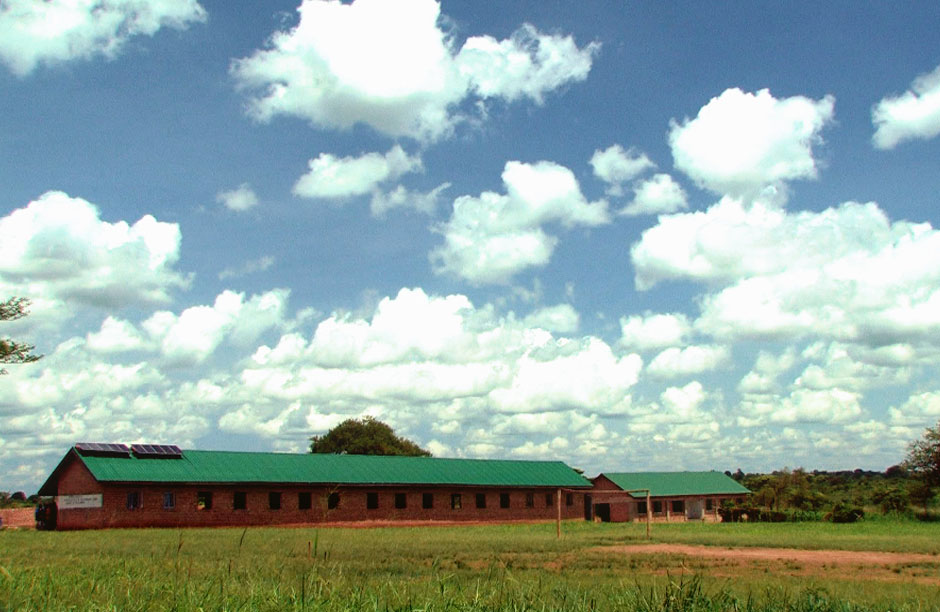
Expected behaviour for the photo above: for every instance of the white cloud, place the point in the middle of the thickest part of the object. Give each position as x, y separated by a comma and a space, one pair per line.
562, 318
400, 197
676, 361
615, 166
824, 406
762, 379
57, 248
194, 335
653, 331
920, 410
388, 64
742, 142
913, 114
338, 178
544, 382
490, 238
249, 267
528, 64
657, 195
846, 273
56, 31
238, 199
114, 336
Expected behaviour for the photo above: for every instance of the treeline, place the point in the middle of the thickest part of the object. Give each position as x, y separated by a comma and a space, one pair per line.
840, 496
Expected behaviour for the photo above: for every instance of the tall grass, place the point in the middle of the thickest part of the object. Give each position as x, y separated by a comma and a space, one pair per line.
519, 567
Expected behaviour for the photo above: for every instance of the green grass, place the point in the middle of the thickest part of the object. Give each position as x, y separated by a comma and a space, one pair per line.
516, 567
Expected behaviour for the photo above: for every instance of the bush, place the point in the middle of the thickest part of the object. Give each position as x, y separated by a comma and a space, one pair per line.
843, 513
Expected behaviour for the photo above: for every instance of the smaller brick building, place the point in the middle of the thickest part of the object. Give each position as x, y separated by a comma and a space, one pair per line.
113, 485
674, 496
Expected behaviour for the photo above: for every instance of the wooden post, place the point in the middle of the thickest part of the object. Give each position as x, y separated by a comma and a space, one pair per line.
649, 513
558, 513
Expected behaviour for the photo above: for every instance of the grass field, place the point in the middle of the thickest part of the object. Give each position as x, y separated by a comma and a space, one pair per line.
505, 567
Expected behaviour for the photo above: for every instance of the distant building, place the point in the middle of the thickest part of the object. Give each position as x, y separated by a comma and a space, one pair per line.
674, 496
113, 485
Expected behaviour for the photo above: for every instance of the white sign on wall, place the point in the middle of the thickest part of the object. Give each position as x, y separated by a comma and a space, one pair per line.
65, 502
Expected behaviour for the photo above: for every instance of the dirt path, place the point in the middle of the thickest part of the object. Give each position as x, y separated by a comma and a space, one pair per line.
814, 557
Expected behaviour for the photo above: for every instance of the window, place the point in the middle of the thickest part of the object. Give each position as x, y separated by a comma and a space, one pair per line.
569, 499
455, 501
169, 500
133, 500
372, 501
481, 500
657, 507
549, 500
332, 501
677, 506
427, 500
504, 500
401, 500
529, 500
239, 500
274, 501
204, 500
709, 504
304, 500
641, 508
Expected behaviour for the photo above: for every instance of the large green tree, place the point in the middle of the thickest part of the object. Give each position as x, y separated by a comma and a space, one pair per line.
365, 437
10, 350
923, 461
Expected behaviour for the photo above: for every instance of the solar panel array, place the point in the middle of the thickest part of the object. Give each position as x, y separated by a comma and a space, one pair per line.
103, 449
157, 450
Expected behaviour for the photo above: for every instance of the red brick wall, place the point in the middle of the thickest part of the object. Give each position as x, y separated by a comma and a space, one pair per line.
352, 505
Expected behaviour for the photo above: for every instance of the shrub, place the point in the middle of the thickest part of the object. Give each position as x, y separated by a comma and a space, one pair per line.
843, 513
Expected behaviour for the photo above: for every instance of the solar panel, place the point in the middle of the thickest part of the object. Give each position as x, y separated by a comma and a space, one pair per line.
161, 451
103, 449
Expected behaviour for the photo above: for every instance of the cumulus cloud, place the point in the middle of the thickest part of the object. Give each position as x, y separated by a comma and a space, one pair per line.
657, 195
249, 267
654, 331
238, 199
675, 361
919, 410
490, 238
615, 166
740, 143
388, 64
56, 31
194, 334
846, 273
417, 349
401, 197
115, 336
339, 178
58, 248
913, 114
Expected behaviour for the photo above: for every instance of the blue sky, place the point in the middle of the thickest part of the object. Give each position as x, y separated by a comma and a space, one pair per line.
620, 234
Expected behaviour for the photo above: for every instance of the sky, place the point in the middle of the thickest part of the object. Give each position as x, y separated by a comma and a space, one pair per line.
625, 235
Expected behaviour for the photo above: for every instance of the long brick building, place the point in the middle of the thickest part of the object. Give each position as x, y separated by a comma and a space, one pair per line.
113, 485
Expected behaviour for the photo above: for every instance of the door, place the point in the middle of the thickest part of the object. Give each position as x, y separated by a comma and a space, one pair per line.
603, 512
588, 508
694, 509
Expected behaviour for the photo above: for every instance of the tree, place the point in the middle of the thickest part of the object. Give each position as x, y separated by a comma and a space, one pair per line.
11, 351
923, 462
365, 437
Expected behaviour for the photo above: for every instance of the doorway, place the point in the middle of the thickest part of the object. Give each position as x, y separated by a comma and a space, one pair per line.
603, 512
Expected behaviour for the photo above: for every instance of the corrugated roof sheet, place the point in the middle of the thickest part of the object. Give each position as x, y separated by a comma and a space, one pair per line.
248, 467
663, 484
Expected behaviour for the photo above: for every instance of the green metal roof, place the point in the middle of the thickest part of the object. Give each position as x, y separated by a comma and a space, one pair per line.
246, 467
663, 484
